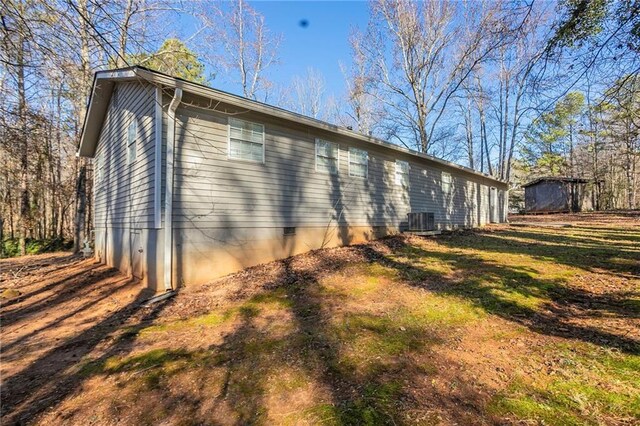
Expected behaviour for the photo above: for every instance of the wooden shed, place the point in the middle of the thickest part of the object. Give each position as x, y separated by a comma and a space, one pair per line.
192, 183
556, 195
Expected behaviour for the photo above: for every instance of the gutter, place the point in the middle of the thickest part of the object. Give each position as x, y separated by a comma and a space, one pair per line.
168, 207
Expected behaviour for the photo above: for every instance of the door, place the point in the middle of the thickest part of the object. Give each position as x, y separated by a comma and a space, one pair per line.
493, 205
136, 253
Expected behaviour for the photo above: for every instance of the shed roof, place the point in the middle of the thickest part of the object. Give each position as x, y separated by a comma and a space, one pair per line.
555, 179
104, 82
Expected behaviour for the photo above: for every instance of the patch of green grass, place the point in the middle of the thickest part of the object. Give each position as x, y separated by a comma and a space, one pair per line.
376, 406
435, 310
496, 281
264, 346
606, 362
591, 384
212, 319
277, 297
505, 293
563, 402
168, 360
324, 414
289, 379
419, 265
249, 309
520, 403
375, 336
372, 344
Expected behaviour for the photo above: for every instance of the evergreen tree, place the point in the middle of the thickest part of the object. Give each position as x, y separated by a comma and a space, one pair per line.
173, 58
549, 142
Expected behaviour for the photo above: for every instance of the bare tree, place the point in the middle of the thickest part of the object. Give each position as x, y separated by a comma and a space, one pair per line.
248, 48
506, 89
47, 67
363, 111
18, 57
422, 53
307, 94
466, 112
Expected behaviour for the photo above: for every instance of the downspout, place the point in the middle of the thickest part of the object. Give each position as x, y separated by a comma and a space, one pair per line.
157, 166
168, 206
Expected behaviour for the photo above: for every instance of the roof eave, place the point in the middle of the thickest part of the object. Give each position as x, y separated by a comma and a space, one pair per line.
260, 107
101, 89
103, 86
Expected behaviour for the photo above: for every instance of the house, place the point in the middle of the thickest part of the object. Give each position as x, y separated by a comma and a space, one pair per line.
556, 195
192, 183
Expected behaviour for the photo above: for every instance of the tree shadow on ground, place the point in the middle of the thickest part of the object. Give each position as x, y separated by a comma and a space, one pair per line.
504, 291
357, 364
86, 281
374, 393
56, 374
575, 251
58, 274
316, 349
253, 359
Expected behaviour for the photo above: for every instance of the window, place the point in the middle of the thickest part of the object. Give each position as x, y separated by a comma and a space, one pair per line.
446, 183
289, 231
402, 173
132, 141
327, 156
358, 162
246, 141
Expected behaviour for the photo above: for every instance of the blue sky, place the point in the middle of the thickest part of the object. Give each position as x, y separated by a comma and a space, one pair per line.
321, 44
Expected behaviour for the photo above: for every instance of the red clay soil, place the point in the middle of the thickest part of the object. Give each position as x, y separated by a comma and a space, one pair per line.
71, 310
65, 308
64, 311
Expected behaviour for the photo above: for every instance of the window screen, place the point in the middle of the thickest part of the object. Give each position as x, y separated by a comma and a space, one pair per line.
327, 156
402, 173
132, 141
446, 182
246, 140
358, 162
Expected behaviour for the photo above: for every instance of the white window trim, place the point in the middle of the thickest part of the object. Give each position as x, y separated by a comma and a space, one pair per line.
449, 183
229, 157
136, 137
316, 157
395, 174
366, 175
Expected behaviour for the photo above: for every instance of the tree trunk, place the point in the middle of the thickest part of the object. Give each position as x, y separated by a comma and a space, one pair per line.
1, 237
24, 148
80, 222
469, 132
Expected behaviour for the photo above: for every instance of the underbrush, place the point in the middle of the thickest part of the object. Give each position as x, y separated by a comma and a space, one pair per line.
10, 247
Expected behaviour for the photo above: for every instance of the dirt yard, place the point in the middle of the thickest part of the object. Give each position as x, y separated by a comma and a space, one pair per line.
537, 322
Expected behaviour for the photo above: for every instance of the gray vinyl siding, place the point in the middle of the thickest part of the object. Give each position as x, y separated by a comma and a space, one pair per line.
212, 191
124, 197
